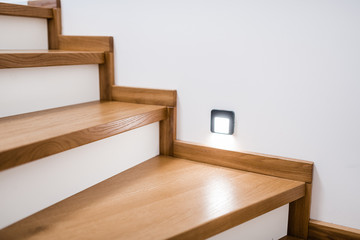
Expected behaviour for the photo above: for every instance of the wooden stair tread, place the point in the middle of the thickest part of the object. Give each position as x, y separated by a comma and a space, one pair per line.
42, 58
25, 11
31, 136
162, 198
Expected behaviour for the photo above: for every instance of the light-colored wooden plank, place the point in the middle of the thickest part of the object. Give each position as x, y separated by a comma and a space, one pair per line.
162, 198
25, 11
106, 76
168, 132
54, 29
41, 58
89, 43
31, 136
299, 215
145, 96
270, 165
319, 230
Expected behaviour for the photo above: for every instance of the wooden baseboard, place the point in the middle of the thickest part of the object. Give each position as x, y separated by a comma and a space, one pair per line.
319, 230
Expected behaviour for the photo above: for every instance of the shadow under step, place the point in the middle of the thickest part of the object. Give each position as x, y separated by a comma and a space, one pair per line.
290, 238
25, 11
31, 136
162, 198
44, 58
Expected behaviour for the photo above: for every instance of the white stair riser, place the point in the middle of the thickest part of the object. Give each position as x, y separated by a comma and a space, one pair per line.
269, 226
23, 33
25, 90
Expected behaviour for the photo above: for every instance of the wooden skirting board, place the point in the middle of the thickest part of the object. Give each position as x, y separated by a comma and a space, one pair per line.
319, 230
274, 166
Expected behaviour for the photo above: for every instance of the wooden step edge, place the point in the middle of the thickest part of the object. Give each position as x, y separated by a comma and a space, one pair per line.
25, 11
109, 124
44, 58
166, 197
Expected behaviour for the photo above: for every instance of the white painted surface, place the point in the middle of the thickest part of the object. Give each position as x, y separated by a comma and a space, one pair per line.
31, 89
34, 186
288, 69
23, 33
265, 227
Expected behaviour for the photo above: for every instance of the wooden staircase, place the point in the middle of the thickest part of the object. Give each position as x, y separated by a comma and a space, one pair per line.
170, 196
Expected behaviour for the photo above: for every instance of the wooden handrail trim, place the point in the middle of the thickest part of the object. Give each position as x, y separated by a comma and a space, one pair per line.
274, 166
25, 11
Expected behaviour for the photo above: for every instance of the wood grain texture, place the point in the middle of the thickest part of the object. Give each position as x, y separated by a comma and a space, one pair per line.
54, 29
168, 132
145, 96
25, 11
42, 58
319, 230
299, 215
44, 3
106, 76
162, 198
290, 238
27, 137
88, 43
270, 165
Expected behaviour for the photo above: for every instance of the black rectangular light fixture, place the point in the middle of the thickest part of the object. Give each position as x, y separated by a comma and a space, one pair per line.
222, 121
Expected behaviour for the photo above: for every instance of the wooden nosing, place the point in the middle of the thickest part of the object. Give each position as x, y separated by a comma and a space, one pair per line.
274, 166
319, 230
144, 96
25, 11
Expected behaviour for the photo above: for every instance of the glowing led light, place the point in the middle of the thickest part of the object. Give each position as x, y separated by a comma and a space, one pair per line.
221, 125
222, 122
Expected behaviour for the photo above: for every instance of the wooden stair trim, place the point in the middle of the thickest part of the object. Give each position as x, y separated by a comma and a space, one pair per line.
297, 170
165, 197
44, 3
43, 58
25, 11
144, 96
299, 215
86, 43
31, 136
319, 230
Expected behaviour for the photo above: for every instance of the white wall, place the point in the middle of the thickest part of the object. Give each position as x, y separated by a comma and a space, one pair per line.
288, 68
